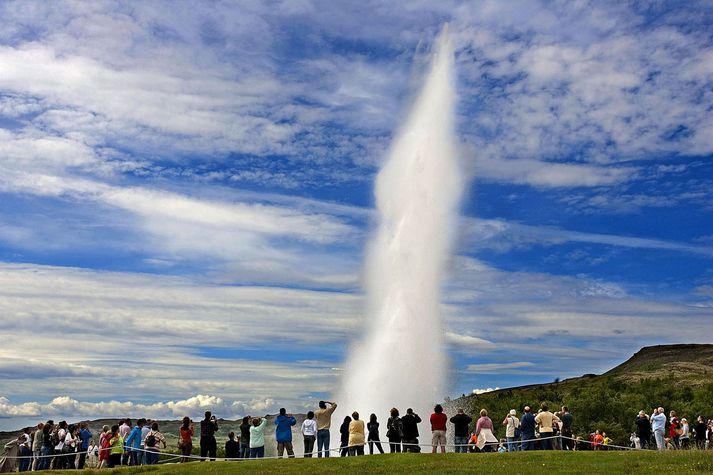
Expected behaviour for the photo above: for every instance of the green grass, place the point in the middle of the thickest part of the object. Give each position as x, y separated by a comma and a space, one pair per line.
518, 463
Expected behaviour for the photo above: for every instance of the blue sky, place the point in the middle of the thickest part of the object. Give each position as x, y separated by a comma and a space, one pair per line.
186, 193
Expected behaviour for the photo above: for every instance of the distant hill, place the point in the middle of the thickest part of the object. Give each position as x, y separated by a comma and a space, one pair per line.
678, 377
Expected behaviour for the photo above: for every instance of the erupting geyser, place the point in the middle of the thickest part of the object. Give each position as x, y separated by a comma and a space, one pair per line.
401, 361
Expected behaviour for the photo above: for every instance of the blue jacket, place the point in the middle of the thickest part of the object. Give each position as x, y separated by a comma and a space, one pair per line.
283, 432
133, 440
527, 423
85, 435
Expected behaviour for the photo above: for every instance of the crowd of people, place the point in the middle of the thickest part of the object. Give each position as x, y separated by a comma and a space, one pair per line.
68, 446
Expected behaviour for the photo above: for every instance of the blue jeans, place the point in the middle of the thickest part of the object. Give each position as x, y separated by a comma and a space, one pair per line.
244, 451
323, 442
257, 452
152, 456
44, 462
25, 463
513, 446
527, 436
461, 444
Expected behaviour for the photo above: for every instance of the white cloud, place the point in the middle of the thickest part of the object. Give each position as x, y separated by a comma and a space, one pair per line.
498, 367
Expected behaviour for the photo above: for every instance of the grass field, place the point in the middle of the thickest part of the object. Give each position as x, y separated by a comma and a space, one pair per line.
518, 463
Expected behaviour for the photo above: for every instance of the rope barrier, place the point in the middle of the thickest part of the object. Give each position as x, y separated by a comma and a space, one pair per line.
336, 450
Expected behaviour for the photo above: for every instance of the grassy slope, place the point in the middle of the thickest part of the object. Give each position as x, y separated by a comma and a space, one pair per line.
521, 463
655, 376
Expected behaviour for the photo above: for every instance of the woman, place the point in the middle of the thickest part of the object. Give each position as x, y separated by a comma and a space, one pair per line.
344, 432
484, 432
185, 438
116, 447
373, 428
700, 430
12, 450
357, 437
154, 439
257, 438
309, 433
685, 434
104, 447
245, 438
674, 430
394, 431
70, 447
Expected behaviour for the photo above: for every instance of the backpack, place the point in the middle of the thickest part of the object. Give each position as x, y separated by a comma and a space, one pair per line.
150, 441
54, 438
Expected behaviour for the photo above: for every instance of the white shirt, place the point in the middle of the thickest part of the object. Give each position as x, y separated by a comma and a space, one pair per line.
61, 434
309, 427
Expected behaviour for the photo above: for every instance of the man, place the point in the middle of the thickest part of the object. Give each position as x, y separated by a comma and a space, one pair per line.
527, 429
512, 424
323, 416
460, 432
133, 442
658, 425
544, 420
84, 436
438, 429
143, 454
283, 433
25, 450
643, 430
37, 446
567, 420
209, 426
409, 429
124, 430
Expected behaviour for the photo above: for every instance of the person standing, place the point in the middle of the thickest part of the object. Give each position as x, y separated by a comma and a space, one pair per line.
685, 435
257, 438
484, 431
545, 420
438, 429
512, 424
527, 429
124, 430
245, 438
394, 431
153, 440
373, 429
409, 431
643, 430
461, 421
84, 436
185, 438
104, 447
142, 449
323, 416
344, 433
357, 437
133, 442
37, 446
283, 433
209, 426
116, 447
232, 447
25, 450
675, 431
658, 426
566, 431
12, 449
700, 431
309, 434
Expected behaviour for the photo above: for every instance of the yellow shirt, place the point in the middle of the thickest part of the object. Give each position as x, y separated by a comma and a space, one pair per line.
324, 416
116, 445
544, 419
356, 433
